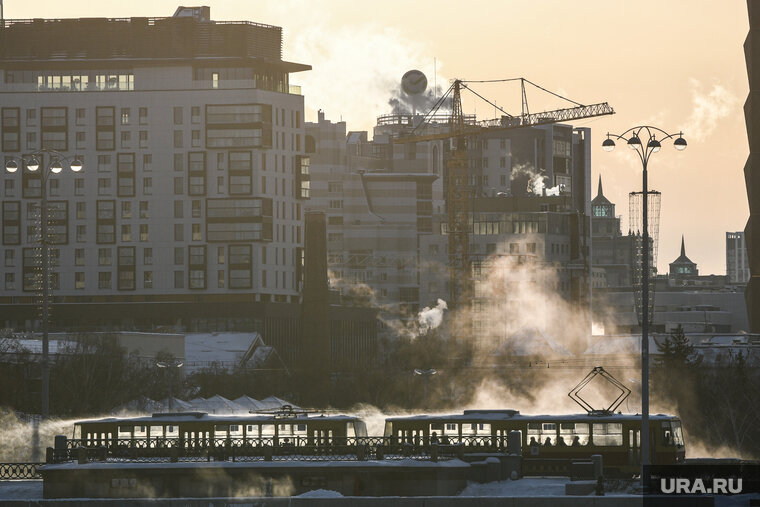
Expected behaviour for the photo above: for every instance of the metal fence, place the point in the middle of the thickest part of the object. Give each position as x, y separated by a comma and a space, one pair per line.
13, 471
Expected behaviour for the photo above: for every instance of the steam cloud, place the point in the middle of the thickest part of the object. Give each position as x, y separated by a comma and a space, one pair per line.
431, 318
401, 103
708, 109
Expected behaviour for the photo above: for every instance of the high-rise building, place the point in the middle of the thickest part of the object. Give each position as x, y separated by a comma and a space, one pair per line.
189, 207
611, 251
737, 266
752, 167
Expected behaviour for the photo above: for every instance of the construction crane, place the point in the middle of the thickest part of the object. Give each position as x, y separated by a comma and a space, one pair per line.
458, 183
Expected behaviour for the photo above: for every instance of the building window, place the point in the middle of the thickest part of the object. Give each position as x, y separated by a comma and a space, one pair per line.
143, 138
125, 172
195, 114
179, 162
55, 188
81, 210
81, 116
220, 184
220, 278
79, 280
81, 233
147, 256
219, 255
9, 259
147, 186
126, 209
104, 256
79, 257
179, 256
197, 235
179, 230
104, 186
144, 232
147, 279
178, 135
126, 232
81, 138
104, 280
179, 185
143, 112
147, 162
196, 208
178, 116
179, 209
125, 116
104, 163
126, 139
144, 213
10, 190
79, 186
10, 281
195, 140
179, 279
240, 266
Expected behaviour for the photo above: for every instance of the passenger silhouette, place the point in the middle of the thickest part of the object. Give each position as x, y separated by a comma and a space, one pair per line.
577, 441
548, 441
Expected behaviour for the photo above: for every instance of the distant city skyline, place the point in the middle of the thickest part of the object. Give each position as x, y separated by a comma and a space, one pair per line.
677, 65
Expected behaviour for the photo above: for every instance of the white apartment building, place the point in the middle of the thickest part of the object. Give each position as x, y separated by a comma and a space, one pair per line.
192, 140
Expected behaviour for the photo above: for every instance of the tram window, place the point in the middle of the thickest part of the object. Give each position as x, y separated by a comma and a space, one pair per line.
267, 430
573, 434
172, 431
534, 433
234, 427
125, 431
451, 427
236, 430
436, 427
250, 428
350, 430
677, 433
156, 431
548, 435
301, 427
608, 434
139, 431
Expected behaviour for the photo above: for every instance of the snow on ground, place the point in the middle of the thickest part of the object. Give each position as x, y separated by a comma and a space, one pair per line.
320, 493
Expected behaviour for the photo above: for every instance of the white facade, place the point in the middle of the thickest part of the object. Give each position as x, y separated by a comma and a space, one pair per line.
191, 180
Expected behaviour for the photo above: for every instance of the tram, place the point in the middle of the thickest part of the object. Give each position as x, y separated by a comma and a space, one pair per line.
190, 430
615, 436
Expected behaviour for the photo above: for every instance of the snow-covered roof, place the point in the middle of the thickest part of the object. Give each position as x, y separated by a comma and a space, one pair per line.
513, 415
179, 417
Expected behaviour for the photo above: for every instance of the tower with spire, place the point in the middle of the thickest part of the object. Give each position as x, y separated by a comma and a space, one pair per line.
610, 250
683, 267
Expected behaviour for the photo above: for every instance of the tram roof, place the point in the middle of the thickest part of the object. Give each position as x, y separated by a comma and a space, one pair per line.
186, 417
514, 415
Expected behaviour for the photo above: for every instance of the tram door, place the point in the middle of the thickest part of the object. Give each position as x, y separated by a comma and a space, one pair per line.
634, 447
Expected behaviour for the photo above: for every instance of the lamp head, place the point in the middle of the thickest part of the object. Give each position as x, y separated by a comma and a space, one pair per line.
33, 164
634, 142
76, 165
680, 143
654, 145
56, 167
11, 166
608, 144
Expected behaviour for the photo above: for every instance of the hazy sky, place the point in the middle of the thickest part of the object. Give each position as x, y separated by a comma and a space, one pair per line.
678, 65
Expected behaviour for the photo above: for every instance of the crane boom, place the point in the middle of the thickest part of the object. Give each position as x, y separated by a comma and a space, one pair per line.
459, 189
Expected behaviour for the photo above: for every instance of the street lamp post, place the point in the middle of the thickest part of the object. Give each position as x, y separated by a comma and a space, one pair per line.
653, 145
170, 373
54, 167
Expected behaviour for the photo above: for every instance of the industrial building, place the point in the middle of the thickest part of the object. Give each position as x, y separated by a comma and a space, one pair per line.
387, 217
